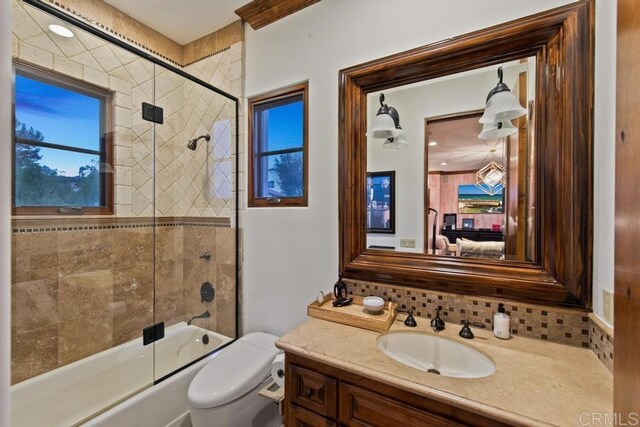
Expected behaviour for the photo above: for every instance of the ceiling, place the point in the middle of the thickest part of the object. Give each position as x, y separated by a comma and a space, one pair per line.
182, 21
459, 146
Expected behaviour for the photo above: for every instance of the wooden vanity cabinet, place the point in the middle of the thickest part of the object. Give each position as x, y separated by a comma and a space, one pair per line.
317, 394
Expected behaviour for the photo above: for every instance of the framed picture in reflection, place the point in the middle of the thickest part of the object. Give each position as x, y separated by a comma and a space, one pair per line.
467, 223
381, 202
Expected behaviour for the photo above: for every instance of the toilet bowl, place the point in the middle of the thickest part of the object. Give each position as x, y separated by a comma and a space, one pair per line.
225, 391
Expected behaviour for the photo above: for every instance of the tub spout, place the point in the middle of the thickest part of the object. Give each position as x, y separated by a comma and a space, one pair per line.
204, 315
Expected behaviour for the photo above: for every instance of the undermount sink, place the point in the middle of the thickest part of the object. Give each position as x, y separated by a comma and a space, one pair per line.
436, 354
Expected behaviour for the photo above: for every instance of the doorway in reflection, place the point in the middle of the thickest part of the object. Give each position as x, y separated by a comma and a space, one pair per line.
462, 188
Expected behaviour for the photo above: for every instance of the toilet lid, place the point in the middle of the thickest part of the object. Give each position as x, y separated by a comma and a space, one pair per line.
231, 373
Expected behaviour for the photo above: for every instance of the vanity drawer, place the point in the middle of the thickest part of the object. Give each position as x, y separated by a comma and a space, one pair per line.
314, 391
299, 417
359, 407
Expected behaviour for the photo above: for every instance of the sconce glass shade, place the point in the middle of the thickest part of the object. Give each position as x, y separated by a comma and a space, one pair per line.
497, 130
398, 142
502, 106
490, 178
383, 127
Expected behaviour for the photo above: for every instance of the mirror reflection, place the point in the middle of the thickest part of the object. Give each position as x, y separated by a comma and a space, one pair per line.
451, 165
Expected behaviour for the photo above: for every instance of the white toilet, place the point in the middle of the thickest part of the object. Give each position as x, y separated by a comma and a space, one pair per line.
225, 391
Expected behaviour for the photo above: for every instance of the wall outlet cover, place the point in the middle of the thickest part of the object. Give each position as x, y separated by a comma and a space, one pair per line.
407, 243
607, 305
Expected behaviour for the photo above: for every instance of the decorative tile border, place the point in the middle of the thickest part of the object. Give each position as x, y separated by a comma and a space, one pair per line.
224, 49
76, 224
565, 326
103, 27
129, 40
601, 341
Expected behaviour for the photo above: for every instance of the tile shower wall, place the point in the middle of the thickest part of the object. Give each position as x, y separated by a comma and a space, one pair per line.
97, 274
533, 321
189, 183
81, 289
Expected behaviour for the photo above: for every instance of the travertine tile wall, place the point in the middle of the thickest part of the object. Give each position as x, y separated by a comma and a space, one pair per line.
81, 289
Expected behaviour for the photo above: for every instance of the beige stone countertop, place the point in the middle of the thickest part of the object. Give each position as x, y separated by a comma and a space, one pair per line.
535, 383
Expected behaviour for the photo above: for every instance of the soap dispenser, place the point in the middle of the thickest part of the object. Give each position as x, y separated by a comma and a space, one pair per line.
501, 323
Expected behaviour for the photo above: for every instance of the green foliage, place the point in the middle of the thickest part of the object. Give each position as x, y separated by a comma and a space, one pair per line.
39, 185
289, 169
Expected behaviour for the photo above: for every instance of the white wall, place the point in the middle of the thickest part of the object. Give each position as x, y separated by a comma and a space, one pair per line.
604, 152
291, 253
5, 208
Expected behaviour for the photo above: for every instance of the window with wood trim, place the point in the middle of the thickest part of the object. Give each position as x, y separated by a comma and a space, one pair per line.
278, 148
62, 145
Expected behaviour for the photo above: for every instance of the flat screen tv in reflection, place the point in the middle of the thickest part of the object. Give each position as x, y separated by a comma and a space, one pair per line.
381, 202
472, 200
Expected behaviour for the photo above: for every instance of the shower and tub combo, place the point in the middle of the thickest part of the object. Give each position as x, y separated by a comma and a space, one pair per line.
115, 307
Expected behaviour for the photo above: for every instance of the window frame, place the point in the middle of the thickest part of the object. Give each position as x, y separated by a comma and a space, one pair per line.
106, 151
279, 94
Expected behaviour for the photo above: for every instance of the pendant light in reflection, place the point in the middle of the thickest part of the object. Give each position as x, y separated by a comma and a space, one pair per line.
502, 104
490, 179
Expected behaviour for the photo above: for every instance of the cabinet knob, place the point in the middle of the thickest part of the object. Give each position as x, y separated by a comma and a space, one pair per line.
308, 392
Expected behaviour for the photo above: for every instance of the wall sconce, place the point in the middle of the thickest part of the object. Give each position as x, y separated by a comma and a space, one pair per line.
497, 130
502, 104
387, 122
398, 142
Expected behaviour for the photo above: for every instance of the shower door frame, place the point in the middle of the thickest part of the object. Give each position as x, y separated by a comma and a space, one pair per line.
147, 56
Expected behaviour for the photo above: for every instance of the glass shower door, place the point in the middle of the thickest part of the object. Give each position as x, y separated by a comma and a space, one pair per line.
195, 252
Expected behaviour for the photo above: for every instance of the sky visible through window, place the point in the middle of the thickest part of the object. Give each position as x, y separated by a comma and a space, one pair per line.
285, 126
63, 116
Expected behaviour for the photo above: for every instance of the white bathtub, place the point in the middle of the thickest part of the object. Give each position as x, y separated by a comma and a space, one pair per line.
73, 393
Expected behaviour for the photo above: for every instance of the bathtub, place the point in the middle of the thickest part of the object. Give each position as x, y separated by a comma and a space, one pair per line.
74, 393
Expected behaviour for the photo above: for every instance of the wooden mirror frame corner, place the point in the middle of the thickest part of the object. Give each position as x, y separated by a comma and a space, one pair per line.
561, 39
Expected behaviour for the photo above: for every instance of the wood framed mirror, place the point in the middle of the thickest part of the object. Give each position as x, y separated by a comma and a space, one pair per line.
550, 261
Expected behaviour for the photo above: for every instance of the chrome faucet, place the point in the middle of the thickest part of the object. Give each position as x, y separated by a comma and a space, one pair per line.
204, 315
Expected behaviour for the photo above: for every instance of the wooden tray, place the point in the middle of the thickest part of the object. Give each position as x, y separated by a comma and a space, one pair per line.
354, 314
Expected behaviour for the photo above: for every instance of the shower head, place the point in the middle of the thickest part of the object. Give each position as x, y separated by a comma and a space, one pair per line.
193, 143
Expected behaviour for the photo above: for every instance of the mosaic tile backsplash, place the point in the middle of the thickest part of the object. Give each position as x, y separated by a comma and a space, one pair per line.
533, 321
601, 342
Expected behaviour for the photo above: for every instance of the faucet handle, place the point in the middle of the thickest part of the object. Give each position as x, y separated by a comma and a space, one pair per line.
466, 332
409, 321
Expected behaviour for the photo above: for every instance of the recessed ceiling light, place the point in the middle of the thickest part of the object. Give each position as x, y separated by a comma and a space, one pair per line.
433, 143
443, 164
60, 30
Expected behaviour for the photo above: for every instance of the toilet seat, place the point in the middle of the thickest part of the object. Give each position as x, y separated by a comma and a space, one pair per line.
233, 372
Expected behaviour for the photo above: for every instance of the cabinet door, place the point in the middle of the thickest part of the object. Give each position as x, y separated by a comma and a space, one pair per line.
314, 391
300, 417
360, 407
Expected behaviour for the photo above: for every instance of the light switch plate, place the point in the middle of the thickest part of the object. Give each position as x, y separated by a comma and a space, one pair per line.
607, 305
407, 243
